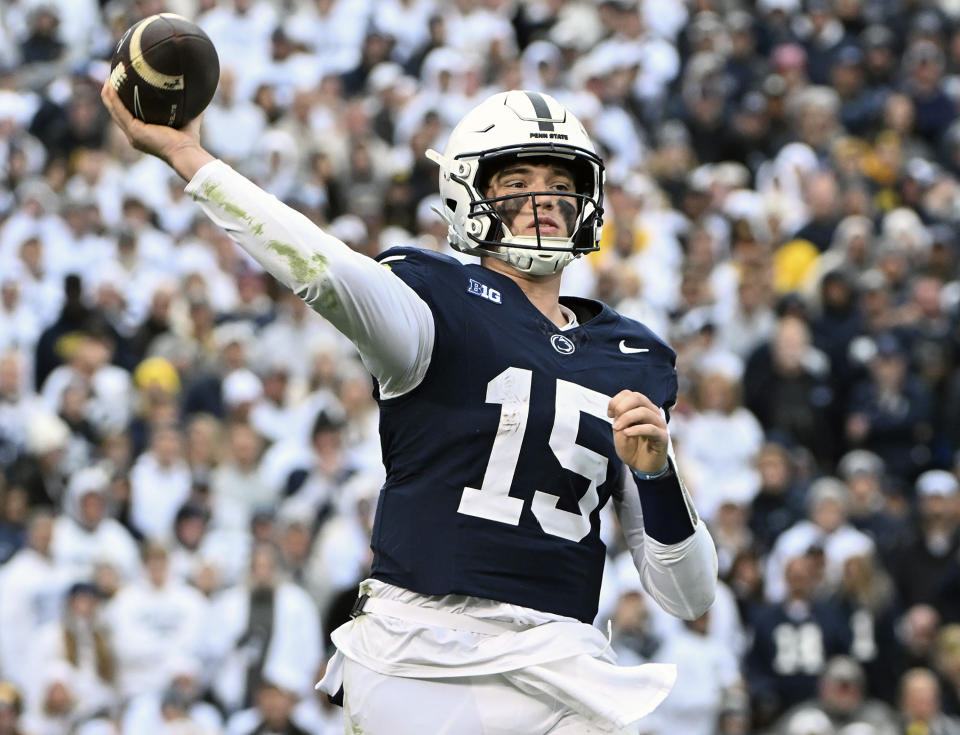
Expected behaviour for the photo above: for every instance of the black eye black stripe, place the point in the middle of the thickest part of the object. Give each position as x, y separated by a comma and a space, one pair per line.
541, 110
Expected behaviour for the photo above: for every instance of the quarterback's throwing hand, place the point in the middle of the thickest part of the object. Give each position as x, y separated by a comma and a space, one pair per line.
639, 431
179, 148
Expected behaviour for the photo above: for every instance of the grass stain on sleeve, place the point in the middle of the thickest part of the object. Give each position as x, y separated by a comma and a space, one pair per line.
212, 192
300, 267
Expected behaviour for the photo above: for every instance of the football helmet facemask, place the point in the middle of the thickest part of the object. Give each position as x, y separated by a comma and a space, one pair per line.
504, 128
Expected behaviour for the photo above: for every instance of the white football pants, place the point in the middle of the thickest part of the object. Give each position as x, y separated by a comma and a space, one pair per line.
376, 704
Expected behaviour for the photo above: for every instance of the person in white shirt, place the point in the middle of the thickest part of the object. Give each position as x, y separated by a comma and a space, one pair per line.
707, 670
17, 404
262, 625
153, 623
826, 528
85, 535
32, 588
236, 486
76, 650
177, 709
160, 483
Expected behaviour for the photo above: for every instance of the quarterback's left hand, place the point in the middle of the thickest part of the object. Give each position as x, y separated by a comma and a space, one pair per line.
639, 431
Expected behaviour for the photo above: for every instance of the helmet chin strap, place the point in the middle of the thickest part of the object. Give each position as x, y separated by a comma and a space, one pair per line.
526, 260
534, 262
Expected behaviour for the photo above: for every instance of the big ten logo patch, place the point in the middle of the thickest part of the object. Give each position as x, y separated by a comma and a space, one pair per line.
484, 291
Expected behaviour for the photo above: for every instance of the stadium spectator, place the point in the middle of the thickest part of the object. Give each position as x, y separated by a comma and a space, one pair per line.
919, 702
11, 707
792, 641
825, 531
86, 534
842, 695
32, 588
153, 623
819, 117
77, 649
786, 386
926, 555
264, 624
873, 508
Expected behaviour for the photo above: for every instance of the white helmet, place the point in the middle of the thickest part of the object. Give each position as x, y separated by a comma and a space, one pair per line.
504, 127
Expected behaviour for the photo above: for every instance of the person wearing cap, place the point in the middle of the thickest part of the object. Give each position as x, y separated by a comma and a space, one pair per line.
187, 551
843, 697
86, 532
823, 37
920, 564
779, 502
869, 509
924, 64
837, 322
109, 387
859, 107
32, 588
890, 410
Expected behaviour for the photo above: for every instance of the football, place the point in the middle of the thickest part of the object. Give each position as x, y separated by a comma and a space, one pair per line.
165, 70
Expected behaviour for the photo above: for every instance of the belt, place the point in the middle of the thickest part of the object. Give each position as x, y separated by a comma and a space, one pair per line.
432, 617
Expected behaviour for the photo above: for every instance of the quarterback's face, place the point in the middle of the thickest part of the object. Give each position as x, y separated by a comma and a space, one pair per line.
556, 211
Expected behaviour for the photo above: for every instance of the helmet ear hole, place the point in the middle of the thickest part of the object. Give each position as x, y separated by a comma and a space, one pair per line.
451, 204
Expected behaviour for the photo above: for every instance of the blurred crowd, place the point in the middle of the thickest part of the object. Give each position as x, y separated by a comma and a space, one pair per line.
189, 456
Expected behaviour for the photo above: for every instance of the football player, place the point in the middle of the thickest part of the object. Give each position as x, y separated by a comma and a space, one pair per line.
509, 416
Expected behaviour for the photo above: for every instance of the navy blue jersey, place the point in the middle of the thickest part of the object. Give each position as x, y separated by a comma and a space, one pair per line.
789, 652
499, 461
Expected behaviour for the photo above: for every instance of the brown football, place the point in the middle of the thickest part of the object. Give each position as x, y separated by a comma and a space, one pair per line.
165, 70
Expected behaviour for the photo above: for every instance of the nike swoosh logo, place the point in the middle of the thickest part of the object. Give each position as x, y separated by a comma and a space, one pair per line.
631, 350
137, 109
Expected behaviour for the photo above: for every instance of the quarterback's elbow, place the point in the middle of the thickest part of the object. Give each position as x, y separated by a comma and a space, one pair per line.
701, 599
685, 574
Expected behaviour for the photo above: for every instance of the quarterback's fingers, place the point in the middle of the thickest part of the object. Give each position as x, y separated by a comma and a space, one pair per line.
111, 101
627, 399
640, 415
653, 433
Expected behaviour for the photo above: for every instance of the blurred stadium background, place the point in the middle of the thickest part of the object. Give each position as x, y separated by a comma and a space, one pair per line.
189, 456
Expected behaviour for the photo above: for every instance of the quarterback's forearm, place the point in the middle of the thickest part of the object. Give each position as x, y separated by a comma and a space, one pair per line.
389, 323
680, 573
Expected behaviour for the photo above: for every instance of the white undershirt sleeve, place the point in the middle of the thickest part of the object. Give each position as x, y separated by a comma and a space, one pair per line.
391, 326
681, 577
